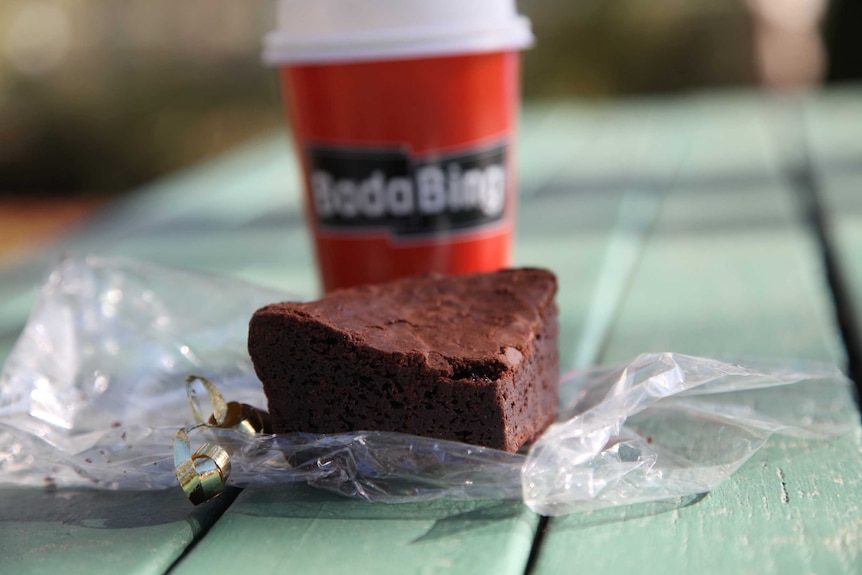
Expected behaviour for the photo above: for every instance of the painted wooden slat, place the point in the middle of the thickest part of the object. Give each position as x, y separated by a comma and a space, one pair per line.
295, 529
833, 123
729, 268
793, 508
86, 531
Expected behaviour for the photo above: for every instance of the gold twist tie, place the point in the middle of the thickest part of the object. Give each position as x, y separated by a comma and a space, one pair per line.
203, 474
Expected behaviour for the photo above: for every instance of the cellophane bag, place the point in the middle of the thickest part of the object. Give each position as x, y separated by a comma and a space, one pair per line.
95, 390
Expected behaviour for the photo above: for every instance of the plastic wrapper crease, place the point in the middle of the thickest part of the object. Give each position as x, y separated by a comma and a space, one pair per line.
94, 392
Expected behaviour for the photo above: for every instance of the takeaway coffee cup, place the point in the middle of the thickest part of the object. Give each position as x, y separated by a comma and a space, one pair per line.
404, 116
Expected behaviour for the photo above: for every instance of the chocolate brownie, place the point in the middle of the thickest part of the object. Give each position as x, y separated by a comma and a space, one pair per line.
471, 358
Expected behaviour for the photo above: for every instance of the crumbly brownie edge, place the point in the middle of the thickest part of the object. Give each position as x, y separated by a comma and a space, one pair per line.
366, 389
405, 394
530, 400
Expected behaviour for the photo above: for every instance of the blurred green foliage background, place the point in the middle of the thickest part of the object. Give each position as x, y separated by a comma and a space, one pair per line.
99, 96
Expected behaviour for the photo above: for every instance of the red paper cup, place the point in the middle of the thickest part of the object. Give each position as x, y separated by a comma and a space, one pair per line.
407, 143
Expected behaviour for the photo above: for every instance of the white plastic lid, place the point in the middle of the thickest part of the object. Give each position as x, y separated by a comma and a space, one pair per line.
312, 31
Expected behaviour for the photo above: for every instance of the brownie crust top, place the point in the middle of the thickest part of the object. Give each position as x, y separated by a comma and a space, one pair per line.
427, 316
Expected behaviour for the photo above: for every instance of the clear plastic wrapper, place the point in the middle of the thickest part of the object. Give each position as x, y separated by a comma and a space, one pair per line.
95, 390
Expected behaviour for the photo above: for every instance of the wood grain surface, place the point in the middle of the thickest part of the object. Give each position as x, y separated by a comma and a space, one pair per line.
672, 227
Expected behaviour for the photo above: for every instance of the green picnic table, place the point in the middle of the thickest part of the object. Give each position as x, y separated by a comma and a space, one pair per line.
706, 224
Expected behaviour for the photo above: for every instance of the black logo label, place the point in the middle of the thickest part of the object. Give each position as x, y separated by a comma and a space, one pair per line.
388, 189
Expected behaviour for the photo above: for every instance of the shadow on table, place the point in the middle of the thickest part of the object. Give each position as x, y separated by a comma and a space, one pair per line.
585, 520
101, 509
450, 517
